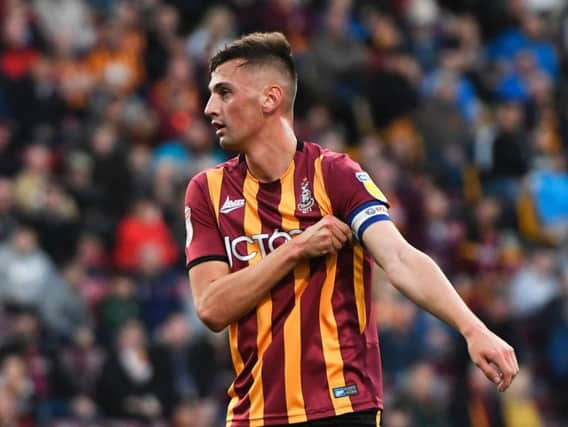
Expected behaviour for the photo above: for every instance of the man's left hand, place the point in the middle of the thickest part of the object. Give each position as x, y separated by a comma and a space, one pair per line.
493, 356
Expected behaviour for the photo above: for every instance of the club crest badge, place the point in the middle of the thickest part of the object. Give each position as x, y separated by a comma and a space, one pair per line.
306, 199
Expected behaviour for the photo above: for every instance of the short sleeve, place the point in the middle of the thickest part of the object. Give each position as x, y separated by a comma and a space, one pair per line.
203, 239
355, 198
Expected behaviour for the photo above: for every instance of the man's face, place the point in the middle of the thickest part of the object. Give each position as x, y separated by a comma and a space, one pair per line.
235, 104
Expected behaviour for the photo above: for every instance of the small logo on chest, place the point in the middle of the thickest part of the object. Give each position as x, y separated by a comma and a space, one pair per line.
306, 199
231, 205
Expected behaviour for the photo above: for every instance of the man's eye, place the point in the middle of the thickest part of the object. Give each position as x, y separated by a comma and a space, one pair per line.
224, 92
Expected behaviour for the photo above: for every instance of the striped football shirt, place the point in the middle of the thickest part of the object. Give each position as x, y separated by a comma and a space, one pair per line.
310, 348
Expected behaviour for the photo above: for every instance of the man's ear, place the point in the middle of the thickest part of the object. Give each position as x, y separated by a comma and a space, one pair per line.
273, 98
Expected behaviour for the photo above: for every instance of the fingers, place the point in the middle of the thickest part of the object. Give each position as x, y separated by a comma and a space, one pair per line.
493, 356
506, 366
512, 363
341, 230
490, 372
514, 360
339, 235
328, 235
336, 242
507, 373
335, 239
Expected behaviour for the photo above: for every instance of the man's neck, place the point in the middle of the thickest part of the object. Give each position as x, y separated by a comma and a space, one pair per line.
270, 157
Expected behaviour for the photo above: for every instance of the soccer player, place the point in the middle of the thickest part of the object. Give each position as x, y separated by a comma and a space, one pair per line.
280, 246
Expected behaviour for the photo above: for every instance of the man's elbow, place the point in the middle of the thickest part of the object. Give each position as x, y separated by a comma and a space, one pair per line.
401, 263
211, 318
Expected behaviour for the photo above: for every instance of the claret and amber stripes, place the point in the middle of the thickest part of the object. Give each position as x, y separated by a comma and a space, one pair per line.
302, 341
328, 324
292, 325
253, 225
214, 183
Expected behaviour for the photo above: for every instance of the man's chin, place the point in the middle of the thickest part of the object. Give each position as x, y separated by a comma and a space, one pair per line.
228, 144
224, 143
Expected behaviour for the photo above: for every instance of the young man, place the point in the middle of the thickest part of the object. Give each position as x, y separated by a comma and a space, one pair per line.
280, 245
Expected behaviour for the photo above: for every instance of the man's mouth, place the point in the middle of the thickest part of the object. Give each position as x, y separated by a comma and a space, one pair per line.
219, 127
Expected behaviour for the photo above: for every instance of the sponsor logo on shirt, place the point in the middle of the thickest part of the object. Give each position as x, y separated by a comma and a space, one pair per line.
306, 199
231, 205
264, 243
348, 390
370, 186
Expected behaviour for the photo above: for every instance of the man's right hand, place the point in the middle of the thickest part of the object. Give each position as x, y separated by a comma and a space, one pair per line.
326, 236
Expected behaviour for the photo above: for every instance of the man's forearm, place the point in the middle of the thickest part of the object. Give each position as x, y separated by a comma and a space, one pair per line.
418, 277
230, 297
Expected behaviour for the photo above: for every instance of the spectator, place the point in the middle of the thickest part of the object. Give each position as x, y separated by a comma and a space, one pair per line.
483, 406
334, 59
75, 80
442, 234
156, 287
8, 220
78, 183
65, 309
293, 19
185, 360
449, 78
34, 370
9, 159
110, 172
557, 349
216, 29
163, 39
27, 273
481, 251
421, 398
9, 411
69, 20
444, 148
535, 286
17, 58
128, 386
403, 339
16, 391
56, 222
549, 189
144, 226
31, 183
520, 401
116, 59
83, 356
176, 97
118, 307
533, 293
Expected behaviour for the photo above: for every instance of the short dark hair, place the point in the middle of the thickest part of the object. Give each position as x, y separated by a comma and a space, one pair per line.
259, 49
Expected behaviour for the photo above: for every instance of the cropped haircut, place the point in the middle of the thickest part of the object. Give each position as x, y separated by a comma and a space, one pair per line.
260, 49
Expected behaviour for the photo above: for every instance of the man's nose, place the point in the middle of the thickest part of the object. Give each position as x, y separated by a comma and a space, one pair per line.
210, 108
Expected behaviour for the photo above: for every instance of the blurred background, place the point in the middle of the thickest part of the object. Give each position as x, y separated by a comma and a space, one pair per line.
457, 108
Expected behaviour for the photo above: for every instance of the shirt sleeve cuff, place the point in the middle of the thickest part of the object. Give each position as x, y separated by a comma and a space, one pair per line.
206, 258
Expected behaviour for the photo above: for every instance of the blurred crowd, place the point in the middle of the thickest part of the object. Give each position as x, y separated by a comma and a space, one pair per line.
458, 109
